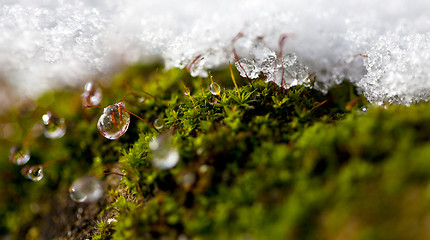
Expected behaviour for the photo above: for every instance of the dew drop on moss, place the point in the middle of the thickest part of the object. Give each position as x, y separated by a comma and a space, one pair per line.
92, 95
34, 173
86, 189
164, 155
158, 124
55, 127
114, 121
214, 88
19, 155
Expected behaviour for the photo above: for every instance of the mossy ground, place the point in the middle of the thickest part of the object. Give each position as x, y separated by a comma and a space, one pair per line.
256, 162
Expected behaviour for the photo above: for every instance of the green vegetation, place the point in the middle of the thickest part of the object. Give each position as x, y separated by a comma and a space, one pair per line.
256, 162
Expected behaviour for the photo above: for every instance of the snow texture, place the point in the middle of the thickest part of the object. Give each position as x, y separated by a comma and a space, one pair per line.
381, 46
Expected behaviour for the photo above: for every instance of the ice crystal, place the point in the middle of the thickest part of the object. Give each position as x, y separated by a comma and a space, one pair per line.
285, 72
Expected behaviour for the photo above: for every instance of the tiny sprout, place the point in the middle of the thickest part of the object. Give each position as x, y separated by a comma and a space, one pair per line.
55, 127
92, 95
18, 155
114, 121
164, 155
34, 173
86, 189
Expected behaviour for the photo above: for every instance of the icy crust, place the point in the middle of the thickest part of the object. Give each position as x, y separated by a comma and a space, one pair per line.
381, 46
286, 71
398, 69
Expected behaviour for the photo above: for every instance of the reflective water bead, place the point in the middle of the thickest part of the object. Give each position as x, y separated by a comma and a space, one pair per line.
86, 189
92, 95
114, 121
18, 155
55, 127
158, 124
188, 180
214, 88
165, 158
164, 155
35, 173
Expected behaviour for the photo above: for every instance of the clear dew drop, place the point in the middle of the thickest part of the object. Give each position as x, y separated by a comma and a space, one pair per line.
214, 88
114, 121
86, 189
34, 173
158, 124
19, 155
92, 95
55, 127
164, 155
188, 180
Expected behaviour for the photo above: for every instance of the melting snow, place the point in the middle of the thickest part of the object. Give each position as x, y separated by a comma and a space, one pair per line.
381, 46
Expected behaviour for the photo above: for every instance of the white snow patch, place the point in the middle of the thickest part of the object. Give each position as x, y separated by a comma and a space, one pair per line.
53, 43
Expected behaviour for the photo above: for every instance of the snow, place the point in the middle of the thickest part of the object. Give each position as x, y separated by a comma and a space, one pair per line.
380, 46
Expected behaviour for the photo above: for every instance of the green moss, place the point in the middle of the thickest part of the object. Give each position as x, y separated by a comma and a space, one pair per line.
256, 162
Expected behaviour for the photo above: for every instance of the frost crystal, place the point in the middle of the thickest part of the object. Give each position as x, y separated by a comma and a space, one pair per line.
398, 69
285, 72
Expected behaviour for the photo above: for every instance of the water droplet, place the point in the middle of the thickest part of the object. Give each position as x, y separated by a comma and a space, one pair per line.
188, 180
34, 173
55, 127
203, 169
92, 95
164, 155
141, 99
19, 155
158, 124
364, 109
86, 189
114, 121
214, 88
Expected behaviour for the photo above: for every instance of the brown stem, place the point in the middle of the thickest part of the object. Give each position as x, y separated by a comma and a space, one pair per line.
109, 173
233, 41
143, 120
